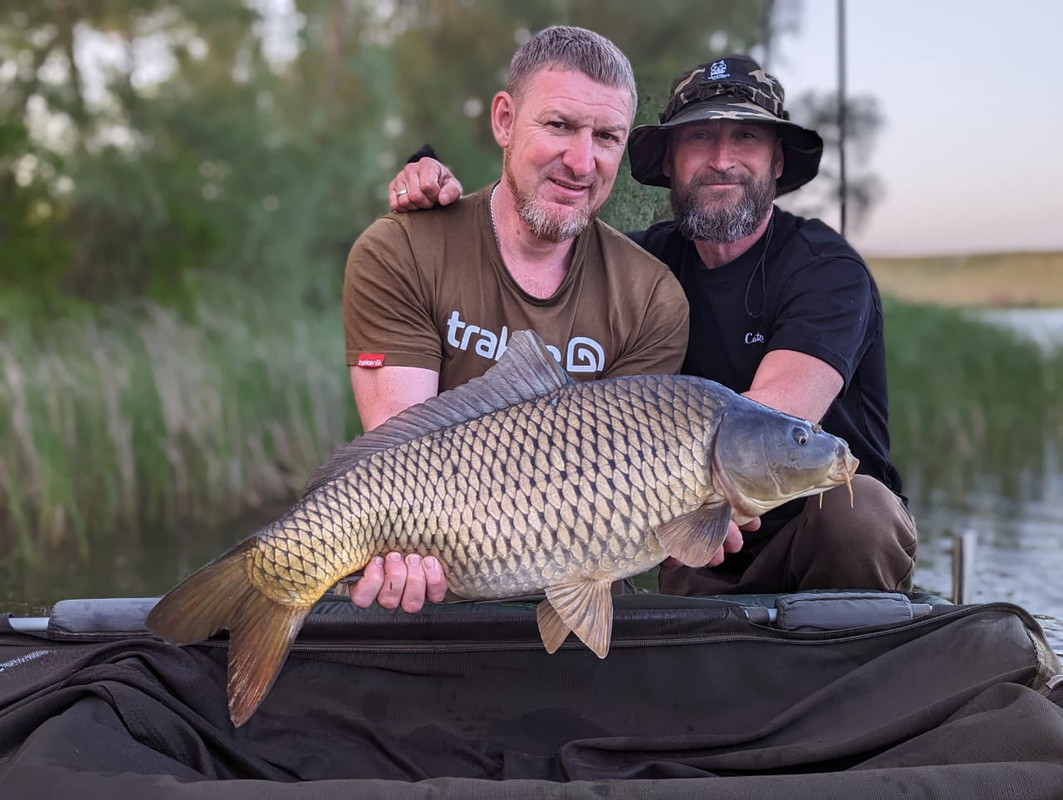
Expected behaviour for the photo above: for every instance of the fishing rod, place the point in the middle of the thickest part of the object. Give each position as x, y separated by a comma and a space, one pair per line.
841, 114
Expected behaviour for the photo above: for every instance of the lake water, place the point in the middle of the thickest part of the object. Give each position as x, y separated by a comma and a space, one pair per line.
1042, 325
1018, 555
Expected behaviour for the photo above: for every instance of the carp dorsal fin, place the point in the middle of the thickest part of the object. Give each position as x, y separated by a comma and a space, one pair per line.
525, 371
585, 607
695, 537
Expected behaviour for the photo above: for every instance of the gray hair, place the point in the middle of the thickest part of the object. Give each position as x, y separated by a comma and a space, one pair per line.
576, 49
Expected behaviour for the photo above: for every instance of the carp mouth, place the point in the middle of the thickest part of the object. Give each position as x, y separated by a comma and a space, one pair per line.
842, 472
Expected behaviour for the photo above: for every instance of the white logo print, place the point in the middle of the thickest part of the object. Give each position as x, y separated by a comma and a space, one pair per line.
755, 338
17, 662
583, 354
718, 71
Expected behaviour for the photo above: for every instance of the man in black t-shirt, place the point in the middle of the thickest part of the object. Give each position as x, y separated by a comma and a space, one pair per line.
782, 309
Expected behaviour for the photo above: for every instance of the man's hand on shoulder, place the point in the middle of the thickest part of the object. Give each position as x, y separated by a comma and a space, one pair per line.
423, 184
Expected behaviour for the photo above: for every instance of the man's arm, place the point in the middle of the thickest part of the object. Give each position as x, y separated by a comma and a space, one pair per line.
830, 317
392, 345
384, 392
795, 383
394, 580
380, 305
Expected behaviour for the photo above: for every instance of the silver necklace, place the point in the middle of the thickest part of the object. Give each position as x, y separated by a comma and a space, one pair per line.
491, 211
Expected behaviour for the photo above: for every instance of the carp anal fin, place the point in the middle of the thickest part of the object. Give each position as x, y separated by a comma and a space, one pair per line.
695, 537
552, 628
586, 608
525, 371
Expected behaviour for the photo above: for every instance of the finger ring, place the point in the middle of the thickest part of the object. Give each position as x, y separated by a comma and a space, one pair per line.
401, 192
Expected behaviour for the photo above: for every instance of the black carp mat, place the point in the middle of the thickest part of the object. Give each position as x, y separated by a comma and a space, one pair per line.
697, 698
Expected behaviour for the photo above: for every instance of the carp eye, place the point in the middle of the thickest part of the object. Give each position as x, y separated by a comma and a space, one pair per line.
800, 436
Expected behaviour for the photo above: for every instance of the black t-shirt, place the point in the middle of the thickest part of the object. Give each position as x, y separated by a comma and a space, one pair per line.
810, 292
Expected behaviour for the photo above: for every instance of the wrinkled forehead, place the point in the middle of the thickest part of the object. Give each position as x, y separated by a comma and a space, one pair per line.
578, 94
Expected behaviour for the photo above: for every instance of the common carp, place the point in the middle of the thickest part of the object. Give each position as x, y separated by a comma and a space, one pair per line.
520, 481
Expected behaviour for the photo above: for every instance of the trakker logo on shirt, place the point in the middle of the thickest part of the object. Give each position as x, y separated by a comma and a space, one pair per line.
582, 354
371, 360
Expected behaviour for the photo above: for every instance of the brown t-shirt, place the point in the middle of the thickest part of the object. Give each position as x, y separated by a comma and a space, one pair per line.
429, 289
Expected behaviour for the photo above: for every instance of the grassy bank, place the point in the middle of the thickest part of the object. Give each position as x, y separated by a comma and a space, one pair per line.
989, 281
138, 417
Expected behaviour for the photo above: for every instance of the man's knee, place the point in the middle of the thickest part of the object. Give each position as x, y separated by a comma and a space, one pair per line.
873, 512
868, 543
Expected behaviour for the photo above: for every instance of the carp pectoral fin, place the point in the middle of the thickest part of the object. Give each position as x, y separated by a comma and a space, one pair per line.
552, 628
586, 608
695, 537
261, 631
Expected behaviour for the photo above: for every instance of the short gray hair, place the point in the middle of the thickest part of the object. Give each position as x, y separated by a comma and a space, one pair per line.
572, 49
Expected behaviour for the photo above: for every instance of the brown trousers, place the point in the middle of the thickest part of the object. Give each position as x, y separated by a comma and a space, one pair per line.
870, 545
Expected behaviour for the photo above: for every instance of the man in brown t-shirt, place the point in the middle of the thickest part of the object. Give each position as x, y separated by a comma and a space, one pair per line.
429, 299
432, 291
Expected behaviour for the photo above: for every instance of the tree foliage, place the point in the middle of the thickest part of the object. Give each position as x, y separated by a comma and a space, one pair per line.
863, 120
144, 140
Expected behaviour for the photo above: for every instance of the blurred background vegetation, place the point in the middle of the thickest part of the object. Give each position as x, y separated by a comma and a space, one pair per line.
144, 140
180, 183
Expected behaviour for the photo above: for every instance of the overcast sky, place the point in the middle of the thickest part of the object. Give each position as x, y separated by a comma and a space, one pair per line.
972, 95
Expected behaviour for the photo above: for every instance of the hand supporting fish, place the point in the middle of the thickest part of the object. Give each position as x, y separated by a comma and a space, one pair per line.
394, 581
520, 482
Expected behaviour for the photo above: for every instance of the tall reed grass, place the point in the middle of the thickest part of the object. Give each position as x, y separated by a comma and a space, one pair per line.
142, 417
972, 406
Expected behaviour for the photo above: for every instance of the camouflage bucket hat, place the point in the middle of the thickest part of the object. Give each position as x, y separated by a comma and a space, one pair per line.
735, 88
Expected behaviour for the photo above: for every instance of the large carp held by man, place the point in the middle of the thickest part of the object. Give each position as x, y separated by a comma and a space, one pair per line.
521, 481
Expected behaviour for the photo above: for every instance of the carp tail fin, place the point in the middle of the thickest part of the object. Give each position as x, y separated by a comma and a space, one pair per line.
261, 630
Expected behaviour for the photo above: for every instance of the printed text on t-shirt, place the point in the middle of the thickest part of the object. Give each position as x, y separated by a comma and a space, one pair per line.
582, 354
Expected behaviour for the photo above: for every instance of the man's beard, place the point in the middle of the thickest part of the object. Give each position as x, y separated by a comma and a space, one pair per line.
548, 225
708, 221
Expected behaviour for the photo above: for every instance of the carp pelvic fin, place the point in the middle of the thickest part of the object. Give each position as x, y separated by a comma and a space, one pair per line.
585, 607
261, 631
695, 537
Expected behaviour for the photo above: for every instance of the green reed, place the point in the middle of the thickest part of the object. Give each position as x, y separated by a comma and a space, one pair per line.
971, 405
141, 417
